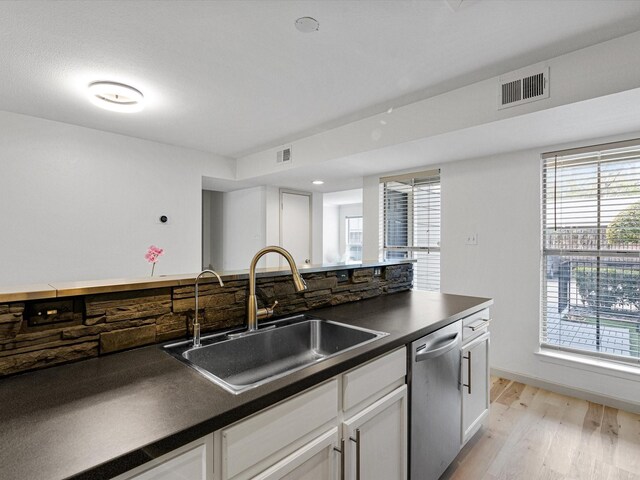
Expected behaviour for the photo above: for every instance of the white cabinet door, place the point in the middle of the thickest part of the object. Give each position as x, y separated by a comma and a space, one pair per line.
314, 461
192, 462
376, 440
475, 385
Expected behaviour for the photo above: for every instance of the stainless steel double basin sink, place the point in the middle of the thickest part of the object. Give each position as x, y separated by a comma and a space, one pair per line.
239, 362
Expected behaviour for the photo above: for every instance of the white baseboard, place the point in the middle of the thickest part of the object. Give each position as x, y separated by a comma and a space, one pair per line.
569, 391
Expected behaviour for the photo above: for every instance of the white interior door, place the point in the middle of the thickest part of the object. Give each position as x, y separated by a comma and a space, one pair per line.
295, 225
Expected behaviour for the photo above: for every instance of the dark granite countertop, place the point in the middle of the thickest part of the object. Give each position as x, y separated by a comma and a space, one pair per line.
101, 417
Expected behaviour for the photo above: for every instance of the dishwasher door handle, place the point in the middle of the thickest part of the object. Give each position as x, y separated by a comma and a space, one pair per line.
423, 354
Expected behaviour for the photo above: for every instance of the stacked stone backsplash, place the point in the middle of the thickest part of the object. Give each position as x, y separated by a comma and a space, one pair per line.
94, 325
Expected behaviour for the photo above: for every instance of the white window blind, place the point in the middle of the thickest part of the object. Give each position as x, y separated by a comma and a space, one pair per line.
591, 251
410, 224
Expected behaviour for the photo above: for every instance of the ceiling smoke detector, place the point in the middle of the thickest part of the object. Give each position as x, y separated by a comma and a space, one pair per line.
307, 24
116, 97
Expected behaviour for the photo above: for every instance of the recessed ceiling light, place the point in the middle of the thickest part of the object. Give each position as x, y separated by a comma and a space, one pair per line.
116, 97
307, 24
317, 182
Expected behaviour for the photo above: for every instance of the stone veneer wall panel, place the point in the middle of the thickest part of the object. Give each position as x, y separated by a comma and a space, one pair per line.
119, 321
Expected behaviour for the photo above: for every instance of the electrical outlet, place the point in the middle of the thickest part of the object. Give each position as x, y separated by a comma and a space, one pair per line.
472, 239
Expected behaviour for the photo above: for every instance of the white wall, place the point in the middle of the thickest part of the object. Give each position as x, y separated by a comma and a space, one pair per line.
334, 233
499, 199
371, 218
331, 234
212, 228
316, 228
79, 204
252, 221
244, 226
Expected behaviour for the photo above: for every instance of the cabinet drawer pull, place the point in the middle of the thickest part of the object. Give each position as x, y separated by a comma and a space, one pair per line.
478, 325
357, 442
468, 359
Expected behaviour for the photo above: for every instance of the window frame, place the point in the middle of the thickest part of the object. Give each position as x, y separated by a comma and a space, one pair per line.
413, 181
603, 255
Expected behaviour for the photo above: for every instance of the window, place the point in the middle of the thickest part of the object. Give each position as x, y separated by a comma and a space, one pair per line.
591, 251
353, 228
410, 224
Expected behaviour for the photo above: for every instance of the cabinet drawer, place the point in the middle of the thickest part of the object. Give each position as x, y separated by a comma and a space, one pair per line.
475, 325
373, 380
269, 436
191, 462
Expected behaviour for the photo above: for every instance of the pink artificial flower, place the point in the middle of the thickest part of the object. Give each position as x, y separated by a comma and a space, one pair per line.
152, 256
153, 253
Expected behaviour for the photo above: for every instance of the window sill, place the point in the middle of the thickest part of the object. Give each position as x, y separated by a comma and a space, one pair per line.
590, 364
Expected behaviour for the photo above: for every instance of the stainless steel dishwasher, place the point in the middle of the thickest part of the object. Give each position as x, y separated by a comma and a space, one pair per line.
435, 418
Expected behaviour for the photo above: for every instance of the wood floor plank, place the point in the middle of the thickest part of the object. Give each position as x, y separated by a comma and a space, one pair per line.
511, 394
568, 436
627, 455
592, 419
498, 386
609, 434
548, 473
530, 439
476, 457
534, 434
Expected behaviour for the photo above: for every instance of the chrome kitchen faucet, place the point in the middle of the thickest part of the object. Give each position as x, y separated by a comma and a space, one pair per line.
196, 324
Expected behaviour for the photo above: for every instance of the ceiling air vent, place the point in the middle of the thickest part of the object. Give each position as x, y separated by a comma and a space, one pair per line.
523, 86
284, 155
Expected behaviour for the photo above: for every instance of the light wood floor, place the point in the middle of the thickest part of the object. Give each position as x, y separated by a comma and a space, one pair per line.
534, 434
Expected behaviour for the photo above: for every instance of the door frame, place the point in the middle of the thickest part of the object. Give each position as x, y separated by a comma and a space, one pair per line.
306, 194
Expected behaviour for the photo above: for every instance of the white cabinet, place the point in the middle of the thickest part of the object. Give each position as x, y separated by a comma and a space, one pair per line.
191, 462
255, 444
475, 385
318, 460
376, 440
308, 437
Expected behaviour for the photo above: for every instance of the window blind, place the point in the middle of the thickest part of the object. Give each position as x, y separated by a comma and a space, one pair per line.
410, 224
591, 251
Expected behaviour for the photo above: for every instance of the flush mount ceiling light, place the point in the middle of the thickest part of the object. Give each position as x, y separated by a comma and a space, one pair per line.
116, 97
318, 182
307, 24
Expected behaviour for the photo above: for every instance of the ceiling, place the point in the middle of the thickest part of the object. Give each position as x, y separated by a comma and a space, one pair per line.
583, 121
234, 77
344, 197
